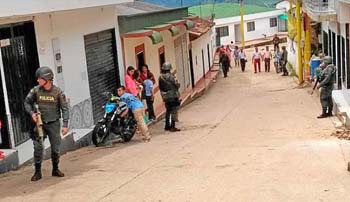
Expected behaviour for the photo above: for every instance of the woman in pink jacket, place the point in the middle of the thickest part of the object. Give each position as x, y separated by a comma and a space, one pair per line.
130, 83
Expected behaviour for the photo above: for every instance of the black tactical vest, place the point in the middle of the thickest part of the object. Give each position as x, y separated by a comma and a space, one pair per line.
49, 104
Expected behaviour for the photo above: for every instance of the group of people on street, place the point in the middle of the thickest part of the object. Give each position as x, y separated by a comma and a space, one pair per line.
52, 104
232, 52
229, 54
280, 60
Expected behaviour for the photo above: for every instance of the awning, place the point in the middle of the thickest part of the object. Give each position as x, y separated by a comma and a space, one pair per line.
160, 28
174, 31
138, 33
189, 24
156, 37
283, 17
177, 22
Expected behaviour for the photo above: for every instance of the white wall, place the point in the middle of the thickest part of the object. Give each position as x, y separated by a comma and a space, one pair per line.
30, 7
291, 47
197, 46
70, 27
262, 26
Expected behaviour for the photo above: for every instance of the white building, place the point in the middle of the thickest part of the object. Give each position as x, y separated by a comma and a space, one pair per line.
256, 26
259, 22
88, 44
78, 39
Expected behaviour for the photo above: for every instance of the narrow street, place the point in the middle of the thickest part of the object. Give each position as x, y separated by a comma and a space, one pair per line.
251, 138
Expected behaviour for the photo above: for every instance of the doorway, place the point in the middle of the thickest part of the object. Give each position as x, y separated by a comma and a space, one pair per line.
20, 61
140, 56
191, 69
347, 33
203, 63
209, 62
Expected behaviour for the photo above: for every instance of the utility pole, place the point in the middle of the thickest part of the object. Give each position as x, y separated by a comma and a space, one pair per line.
307, 46
300, 65
242, 22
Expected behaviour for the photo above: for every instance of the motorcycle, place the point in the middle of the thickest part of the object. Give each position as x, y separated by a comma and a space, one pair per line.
118, 121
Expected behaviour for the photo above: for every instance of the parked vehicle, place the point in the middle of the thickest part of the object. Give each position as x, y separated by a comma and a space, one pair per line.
117, 122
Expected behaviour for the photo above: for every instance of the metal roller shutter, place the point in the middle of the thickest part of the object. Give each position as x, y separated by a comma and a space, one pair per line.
102, 68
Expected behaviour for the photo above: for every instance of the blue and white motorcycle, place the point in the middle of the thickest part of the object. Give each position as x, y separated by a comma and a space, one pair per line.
118, 122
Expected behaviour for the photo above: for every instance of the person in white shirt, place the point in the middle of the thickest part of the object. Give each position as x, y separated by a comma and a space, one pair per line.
276, 60
243, 59
256, 60
267, 58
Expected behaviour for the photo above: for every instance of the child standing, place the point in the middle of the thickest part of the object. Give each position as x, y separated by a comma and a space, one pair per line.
148, 83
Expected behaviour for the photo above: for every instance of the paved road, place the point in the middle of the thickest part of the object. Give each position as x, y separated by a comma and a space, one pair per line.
250, 138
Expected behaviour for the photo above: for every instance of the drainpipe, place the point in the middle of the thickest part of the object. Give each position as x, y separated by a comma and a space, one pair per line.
7, 106
307, 47
242, 23
300, 67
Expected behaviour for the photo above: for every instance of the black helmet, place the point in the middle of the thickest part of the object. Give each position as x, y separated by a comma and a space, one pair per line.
44, 72
327, 60
167, 66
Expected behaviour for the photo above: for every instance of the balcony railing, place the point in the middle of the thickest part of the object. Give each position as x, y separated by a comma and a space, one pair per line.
320, 6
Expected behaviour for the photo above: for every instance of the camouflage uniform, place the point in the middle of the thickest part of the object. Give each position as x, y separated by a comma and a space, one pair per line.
327, 79
52, 106
51, 103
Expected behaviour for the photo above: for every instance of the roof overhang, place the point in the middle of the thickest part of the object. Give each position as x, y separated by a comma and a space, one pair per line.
189, 24
177, 22
160, 28
17, 8
155, 36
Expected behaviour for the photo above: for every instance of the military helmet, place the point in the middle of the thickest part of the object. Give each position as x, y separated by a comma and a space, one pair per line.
45, 73
327, 60
167, 66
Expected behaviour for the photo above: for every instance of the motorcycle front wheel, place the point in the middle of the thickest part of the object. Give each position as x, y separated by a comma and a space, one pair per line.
99, 134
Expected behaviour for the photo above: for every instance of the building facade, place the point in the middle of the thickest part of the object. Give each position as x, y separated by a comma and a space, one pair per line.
256, 26
334, 19
78, 39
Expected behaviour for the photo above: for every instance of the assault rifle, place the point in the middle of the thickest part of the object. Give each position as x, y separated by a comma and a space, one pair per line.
313, 89
39, 124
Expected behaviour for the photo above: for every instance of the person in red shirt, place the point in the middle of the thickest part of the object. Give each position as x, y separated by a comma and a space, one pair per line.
147, 74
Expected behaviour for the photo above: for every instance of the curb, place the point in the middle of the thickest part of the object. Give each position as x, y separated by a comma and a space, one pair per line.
11, 162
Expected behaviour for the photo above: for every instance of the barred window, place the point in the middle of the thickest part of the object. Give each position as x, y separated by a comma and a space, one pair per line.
250, 26
222, 31
273, 22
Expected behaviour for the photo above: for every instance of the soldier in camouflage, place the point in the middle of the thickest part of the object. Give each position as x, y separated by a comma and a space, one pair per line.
327, 79
52, 105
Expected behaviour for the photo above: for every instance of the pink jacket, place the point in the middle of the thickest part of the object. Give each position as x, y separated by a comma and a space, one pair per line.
130, 85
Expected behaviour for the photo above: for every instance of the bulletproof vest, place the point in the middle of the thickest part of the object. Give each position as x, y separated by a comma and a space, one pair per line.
49, 104
332, 70
165, 84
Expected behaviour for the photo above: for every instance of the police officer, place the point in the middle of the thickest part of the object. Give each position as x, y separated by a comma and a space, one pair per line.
169, 88
327, 79
52, 103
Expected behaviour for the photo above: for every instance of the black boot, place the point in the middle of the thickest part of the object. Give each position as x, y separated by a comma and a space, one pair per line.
173, 128
37, 175
55, 171
324, 113
329, 113
330, 108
